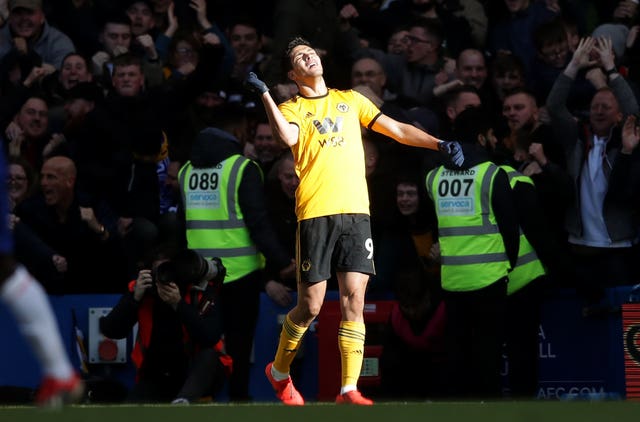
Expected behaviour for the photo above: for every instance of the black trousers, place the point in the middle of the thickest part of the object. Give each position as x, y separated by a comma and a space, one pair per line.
474, 341
522, 343
240, 308
204, 376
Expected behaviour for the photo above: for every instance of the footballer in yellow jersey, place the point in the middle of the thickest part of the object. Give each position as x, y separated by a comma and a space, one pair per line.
329, 155
322, 128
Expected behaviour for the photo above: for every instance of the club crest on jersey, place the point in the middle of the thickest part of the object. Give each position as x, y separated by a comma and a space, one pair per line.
342, 107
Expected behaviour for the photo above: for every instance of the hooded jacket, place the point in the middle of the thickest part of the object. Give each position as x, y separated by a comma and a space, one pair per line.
212, 146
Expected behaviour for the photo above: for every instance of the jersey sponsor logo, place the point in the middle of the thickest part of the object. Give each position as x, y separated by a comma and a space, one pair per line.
342, 107
327, 125
461, 206
334, 141
203, 199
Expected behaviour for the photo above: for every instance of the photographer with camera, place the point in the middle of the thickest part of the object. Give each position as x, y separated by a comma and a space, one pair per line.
178, 349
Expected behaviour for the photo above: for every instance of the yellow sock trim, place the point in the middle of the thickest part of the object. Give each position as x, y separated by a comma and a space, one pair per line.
351, 344
290, 338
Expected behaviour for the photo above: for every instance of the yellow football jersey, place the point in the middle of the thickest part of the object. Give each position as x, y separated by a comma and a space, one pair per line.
329, 154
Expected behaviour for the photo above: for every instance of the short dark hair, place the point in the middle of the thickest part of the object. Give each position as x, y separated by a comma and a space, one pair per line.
229, 115
160, 252
431, 26
547, 33
506, 63
452, 96
118, 17
521, 90
84, 58
245, 20
127, 59
293, 43
470, 123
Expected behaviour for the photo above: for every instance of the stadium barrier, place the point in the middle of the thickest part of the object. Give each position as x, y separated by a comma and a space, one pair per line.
579, 355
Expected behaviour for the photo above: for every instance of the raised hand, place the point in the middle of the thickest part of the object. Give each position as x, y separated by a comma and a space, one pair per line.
143, 282
630, 134
581, 57
148, 44
537, 152
255, 85
604, 48
172, 21
15, 136
200, 7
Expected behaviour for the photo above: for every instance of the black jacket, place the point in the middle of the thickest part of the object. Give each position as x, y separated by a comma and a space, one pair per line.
167, 351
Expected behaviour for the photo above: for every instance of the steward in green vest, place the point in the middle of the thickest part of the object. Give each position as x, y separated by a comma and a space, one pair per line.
528, 267
226, 216
224, 206
214, 221
527, 288
478, 234
473, 251
539, 252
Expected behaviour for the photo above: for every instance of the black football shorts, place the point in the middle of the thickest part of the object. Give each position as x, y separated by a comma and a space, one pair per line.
341, 242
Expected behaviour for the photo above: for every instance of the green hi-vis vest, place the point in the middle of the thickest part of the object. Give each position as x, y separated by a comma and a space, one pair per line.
528, 267
473, 254
215, 224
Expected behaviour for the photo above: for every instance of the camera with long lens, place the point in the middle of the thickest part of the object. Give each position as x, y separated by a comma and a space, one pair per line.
188, 267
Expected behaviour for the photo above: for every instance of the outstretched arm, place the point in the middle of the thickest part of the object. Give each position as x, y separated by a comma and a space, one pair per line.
404, 133
281, 128
410, 135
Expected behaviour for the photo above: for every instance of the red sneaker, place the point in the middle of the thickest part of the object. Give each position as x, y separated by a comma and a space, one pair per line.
353, 397
285, 391
55, 392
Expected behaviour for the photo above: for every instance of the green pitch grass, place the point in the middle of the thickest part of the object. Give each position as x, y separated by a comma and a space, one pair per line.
536, 411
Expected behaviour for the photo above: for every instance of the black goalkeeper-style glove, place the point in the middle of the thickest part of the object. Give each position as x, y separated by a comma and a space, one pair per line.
253, 84
453, 150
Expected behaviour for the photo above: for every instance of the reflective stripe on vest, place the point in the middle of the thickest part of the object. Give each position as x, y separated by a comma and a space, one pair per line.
214, 222
528, 266
473, 252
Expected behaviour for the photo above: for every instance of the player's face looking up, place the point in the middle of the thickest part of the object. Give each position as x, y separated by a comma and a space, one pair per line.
304, 62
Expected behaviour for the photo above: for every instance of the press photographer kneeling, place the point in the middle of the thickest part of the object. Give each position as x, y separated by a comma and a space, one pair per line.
178, 349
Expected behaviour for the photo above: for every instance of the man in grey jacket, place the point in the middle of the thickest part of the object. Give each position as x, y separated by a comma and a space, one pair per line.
27, 29
602, 232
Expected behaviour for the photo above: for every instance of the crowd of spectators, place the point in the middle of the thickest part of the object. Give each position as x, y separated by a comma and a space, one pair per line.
100, 103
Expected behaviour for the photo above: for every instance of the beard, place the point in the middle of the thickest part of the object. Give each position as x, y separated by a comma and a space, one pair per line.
205, 115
